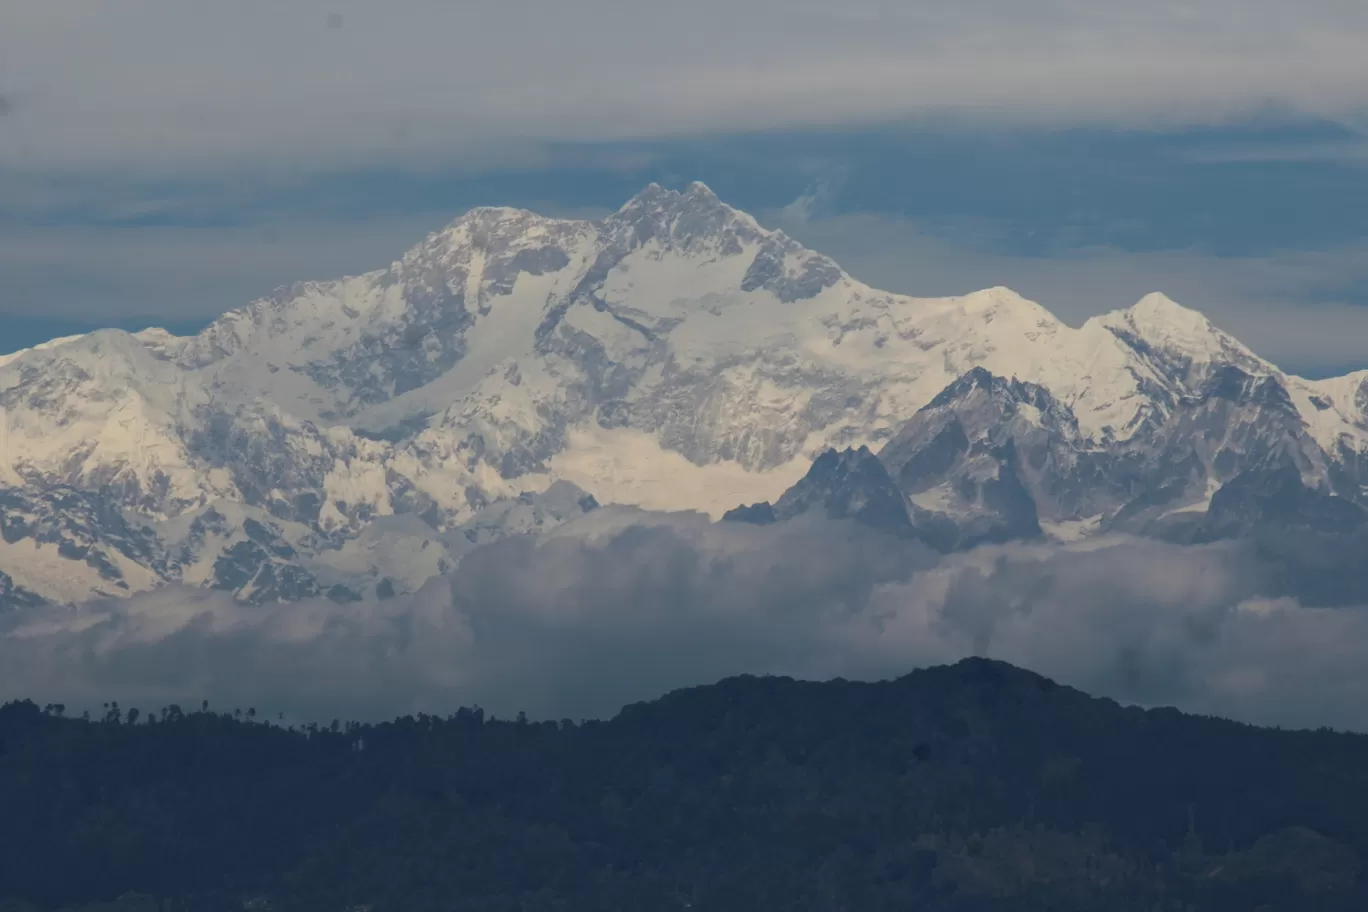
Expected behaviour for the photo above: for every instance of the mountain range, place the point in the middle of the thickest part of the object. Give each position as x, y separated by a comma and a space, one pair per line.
353, 438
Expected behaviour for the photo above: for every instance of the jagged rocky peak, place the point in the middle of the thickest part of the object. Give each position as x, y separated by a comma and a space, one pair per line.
837, 466
696, 222
696, 199
846, 484
757, 514
973, 417
988, 457
1008, 393
693, 221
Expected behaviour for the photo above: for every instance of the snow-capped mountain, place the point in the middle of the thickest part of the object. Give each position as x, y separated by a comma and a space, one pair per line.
674, 355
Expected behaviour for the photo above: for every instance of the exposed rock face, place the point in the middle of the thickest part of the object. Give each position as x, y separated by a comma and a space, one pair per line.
852, 484
757, 514
13, 596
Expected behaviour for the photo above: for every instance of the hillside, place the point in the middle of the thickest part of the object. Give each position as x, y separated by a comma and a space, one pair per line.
976, 786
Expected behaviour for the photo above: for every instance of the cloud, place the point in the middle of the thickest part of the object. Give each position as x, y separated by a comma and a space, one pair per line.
628, 605
162, 85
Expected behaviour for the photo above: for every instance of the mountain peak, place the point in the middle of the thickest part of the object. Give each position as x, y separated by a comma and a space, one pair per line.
692, 220
696, 197
652, 193
998, 294
1158, 327
699, 190
840, 484
1158, 308
995, 386
851, 483
487, 218
840, 463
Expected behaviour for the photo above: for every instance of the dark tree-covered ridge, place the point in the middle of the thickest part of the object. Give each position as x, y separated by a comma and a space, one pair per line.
976, 786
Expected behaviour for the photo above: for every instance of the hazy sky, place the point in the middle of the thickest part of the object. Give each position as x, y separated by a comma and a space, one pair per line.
164, 160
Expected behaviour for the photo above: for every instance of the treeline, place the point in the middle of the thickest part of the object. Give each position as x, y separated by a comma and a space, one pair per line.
971, 787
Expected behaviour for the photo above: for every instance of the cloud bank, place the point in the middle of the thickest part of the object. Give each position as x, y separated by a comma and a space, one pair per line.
631, 605
167, 85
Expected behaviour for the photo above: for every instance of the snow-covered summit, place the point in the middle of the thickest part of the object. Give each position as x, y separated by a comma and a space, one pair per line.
1177, 339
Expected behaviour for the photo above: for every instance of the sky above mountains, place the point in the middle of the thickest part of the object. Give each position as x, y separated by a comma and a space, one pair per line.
161, 161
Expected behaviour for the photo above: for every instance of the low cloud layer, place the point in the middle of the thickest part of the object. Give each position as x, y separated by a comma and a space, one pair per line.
632, 605
169, 85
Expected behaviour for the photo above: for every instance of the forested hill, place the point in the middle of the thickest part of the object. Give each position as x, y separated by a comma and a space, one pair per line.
976, 786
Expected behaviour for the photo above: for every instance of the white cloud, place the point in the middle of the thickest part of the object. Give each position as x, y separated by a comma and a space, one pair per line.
165, 85
581, 622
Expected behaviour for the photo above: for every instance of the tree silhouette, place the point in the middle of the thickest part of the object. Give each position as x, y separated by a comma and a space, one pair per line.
974, 788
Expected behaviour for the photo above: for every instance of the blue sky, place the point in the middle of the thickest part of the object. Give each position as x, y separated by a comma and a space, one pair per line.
161, 163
